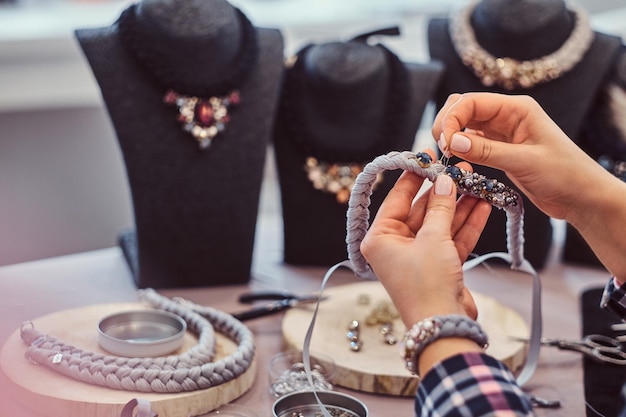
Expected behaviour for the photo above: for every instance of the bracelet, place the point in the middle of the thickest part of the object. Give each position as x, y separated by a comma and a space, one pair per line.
430, 329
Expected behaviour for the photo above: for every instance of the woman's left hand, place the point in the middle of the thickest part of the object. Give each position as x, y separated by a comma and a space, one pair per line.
417, 247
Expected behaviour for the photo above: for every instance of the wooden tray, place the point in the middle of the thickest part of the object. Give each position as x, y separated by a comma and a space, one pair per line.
378, 367
52, 394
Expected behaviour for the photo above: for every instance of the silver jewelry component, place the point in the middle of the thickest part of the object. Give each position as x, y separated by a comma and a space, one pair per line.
353, 336
354, 325
430, 329
510, 73
386, 329
356, 345
295, 379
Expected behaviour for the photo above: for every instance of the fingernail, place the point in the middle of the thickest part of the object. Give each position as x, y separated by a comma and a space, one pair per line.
460, 143
443, 185
443, 146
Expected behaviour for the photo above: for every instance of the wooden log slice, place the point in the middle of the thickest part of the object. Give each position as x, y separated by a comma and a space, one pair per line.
46, 392
378, 367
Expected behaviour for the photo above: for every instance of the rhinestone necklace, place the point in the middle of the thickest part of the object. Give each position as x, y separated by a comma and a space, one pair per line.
329, 169
510, 73
203, 108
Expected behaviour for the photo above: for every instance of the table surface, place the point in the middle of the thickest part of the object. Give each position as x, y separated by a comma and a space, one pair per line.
34, 289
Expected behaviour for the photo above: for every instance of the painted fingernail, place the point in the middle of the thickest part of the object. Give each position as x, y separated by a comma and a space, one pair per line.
460, 143
443, 146
443, 185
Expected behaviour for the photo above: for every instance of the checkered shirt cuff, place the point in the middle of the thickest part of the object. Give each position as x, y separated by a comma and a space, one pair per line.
614, 299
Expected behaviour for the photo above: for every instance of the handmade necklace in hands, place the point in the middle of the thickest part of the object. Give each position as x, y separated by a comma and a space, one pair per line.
496, 193
203, 108
332, 169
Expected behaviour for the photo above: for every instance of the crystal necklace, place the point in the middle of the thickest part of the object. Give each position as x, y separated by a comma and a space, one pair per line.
203, 108
334, 170
510, 73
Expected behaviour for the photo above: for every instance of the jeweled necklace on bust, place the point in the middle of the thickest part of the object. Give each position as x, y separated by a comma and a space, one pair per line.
203, 108
334, 170
510, 73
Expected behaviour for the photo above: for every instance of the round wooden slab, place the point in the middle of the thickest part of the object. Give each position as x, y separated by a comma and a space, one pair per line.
378, 367
52, 394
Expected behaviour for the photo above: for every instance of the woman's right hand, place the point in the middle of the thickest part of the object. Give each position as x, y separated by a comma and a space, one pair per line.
515, 135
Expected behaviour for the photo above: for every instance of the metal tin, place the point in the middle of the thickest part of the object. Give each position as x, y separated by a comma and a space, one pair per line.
304, 404
141, 333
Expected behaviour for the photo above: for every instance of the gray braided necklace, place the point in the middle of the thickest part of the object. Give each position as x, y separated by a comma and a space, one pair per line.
190, 371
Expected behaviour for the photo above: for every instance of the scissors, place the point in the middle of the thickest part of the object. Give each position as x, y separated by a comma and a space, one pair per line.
279, 301
596, 346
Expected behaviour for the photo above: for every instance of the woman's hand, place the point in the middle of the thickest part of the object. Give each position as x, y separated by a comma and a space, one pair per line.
515, 135
417, 247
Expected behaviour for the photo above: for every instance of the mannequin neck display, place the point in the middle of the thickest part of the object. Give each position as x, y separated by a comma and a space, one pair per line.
521, 54
174, 44
182, 198
343, 100
522, 29
354, 100
166, 48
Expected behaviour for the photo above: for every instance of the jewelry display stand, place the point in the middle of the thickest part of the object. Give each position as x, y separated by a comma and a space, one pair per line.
195, 210
525, 30
341, 108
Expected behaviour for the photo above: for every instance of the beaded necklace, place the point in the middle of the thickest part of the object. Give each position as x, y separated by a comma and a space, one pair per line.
510, 73
203, 107
332, 169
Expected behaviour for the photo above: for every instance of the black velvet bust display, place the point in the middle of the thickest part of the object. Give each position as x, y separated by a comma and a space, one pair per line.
345, 90
524, 30
195, 210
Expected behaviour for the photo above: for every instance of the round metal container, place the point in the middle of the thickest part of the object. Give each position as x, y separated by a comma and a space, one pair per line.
141, 333
304, 404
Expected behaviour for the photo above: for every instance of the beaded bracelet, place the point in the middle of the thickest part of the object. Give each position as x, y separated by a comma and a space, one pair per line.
430, 329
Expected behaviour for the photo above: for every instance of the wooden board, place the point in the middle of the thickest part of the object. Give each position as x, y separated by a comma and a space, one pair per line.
52, 394
378, 367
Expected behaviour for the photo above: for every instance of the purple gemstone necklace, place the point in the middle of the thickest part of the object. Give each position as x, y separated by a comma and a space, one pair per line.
204, 109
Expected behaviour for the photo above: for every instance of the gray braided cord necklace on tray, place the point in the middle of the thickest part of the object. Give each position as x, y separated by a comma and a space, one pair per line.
498, 194
190, 371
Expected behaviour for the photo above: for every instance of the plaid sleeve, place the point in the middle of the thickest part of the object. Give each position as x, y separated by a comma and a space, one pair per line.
614, 299
468, 385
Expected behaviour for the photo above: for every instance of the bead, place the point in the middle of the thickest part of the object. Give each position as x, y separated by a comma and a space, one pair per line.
356, 346
390, 339
170, 97
204, 113
423, 159
454, 172
429, 329
203, 117
352, 335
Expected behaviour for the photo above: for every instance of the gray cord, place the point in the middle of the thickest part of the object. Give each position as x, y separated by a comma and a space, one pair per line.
190, 371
